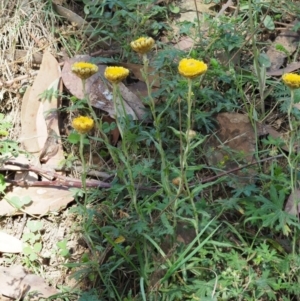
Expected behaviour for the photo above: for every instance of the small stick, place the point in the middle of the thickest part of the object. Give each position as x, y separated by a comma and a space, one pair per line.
60, 179
63, 181
209, 179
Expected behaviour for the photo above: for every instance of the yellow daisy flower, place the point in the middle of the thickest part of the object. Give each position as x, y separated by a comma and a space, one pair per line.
176, 181
119, 239
83, 124
142, 45
84, 70
116, 74
191, 68
191, 134
291, 80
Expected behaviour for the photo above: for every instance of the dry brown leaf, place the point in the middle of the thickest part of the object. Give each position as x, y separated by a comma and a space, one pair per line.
201, 7
289, 68
44, 200
289, 40
296, 105
99, 91
232, 144
105, 101
153, 75
15, 283
224, 7
10, 244
40, 125
133, 100
20, 175
139, 88
34, 128
115, 134
292, 205
185, 43
53, 150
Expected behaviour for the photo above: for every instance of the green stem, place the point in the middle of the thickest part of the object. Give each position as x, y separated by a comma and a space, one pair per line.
99, 125
156, 121
188, 128
123, 126
151, 99
260, 70
84, 170
120, 117
290, 109
186, 151
291, 147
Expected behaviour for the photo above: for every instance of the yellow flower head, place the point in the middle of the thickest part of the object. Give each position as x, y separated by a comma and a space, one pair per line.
191, 134
116, 74
83, 124
84, 70
176, 181
291, 80
119, 239
191, 68
142, 45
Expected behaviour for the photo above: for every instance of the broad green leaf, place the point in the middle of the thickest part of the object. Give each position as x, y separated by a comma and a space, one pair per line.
268, 22
74, 138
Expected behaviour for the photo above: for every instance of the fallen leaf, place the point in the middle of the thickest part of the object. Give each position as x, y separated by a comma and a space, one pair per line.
289, 68
224, 7
153, 75
15, 283
198, 5
115, 133
101, 97
43, 200
292, 205
140, 88
34, 129
289, 39
99, 91
232, 144
10, 244
53, 147
185, 43
39, 126
133, 100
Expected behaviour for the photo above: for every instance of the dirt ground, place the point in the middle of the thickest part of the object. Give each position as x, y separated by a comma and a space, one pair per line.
56, 227
22, 43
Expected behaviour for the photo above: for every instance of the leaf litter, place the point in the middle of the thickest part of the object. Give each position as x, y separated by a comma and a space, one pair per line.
34, 123
16, 283
100, 91
10, 244
39, 119
238, 136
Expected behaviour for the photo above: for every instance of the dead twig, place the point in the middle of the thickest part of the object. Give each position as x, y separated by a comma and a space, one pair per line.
63, 181
229, 3
213, 178
59, 180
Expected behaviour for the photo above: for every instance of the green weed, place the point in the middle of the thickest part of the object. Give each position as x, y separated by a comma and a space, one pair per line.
180, 239
171, 226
